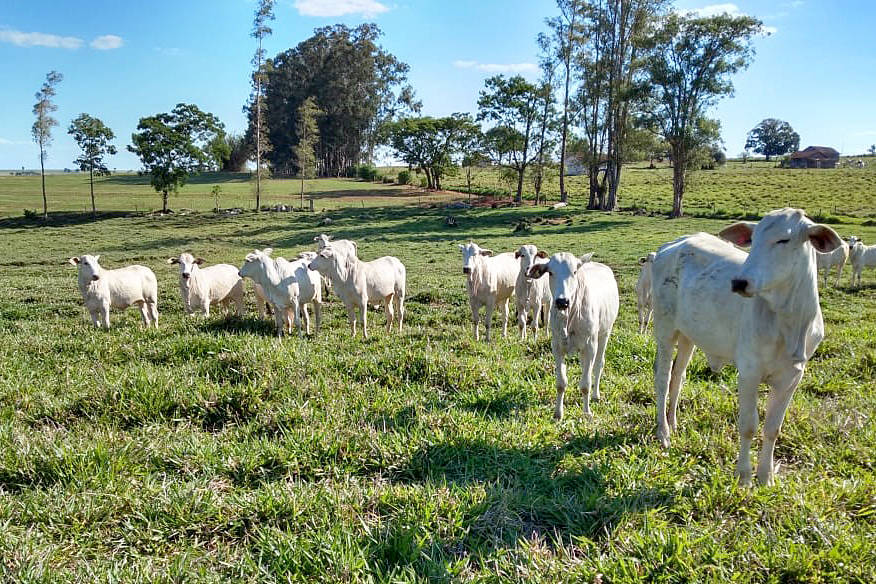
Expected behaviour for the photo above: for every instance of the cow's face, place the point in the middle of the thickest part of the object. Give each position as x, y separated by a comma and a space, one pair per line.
89, 269
781, 249
528, 256
322, 240
470, 252
561, 269
323, 261
253, 262
187, 265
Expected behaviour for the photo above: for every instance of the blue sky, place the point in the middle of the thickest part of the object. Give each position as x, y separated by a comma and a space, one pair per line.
124, 60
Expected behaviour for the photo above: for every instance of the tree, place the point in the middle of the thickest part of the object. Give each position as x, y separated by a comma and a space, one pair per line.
432, 144
264, 13
233, 150
42, 127
547, 118
93, 138
173, 145
689, 68
513, 104
308, 137
872, 150
773, 137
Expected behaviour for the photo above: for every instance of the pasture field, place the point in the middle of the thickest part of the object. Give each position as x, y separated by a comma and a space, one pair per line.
209, 451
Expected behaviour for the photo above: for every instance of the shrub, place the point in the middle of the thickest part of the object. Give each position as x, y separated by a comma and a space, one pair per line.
423, 182
404, 177
367, 172
30, 214
387, 180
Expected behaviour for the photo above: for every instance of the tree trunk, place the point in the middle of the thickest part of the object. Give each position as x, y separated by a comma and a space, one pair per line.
91, 180
593, 176
164, 202
677, 185
302, 191
518, 199
563, 196
43, 175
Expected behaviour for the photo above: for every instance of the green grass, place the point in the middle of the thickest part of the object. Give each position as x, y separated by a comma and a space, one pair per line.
208, 451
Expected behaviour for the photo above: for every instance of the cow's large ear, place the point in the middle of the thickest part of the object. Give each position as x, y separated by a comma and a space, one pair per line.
537, 270
642, 260
74, 261
823, 238
486, 252
517, 254
97, 258
268, 250
200, 261
173, 260
738, 233
541, 254
460, 246
586, 257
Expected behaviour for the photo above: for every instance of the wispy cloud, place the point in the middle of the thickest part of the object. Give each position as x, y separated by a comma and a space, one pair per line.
729, 9
497, 67
107, 42
332, 8
39, 39
5, 142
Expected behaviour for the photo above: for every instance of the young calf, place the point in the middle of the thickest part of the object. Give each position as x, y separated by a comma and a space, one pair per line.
837, 257
862, 256
201, 287
121, 288
533, 294
643, 291
584, 309
490, 281
758, 310
359, 283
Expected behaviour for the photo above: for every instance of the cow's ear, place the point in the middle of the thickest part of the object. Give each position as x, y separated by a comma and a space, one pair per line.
268, 250
97, 258
642, 260
486, 252
460, 246
517, 254
200, 261
542, 254
537, 270
823, 238
173, 260
74, 261
738, 233
586, 257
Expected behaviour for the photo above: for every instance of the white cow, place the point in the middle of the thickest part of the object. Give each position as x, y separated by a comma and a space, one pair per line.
643, 291
533, 294
838, 258
201, 287
359, 283
584, 309
340, 245
862, 256
289, 286
263, 305
120, 288
490, 281
758, 310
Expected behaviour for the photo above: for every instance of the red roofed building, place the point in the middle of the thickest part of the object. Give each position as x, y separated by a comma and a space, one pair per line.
814, 157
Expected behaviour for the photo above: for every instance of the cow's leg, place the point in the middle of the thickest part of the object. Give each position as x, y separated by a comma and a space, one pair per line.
642, 323
280, 321
562, 382
839, 272
96, 318
783, 387
105, 315
363, 313
676, 381
588, 356
599, 363
488, 317
475, 309
747, 423
351, 317
662, 370
390, 313
153, 312
505, 309
306, 316
521, 318
317, 309
144, 313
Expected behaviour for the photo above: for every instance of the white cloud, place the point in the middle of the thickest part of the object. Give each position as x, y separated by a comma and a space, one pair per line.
332, 8
107, 42
497, 67
38, 39
716, 9
769, 29
5, 142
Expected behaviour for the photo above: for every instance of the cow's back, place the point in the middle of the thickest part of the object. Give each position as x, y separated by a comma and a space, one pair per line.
506, 268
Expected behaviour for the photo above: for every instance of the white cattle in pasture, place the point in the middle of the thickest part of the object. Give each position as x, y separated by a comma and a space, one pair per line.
120, 288
345, 246
262, 303
583, 312
826, 261
490, 281
643, 291
202, 287
758, 310
289, 287
533, 294
359, 283
862, 256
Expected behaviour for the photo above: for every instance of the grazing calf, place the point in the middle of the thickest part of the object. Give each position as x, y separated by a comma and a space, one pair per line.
490, 281
582, 315
758, 310
359, 283
862, 256
201, 287
121, 288
533, 294
838, 258
345, 246
288, 286
262, 303
643, 292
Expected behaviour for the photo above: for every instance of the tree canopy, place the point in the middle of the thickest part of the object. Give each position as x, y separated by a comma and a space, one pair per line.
772, 137
42, 126
173, 145
93, 138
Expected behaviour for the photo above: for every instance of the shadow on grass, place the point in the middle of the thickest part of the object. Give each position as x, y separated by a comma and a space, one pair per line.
196, 179
62, 219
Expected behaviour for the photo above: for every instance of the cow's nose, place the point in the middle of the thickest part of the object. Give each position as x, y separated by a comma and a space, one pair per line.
739, 286
562, 303
95, 278
466, 270
185, 276
240, 274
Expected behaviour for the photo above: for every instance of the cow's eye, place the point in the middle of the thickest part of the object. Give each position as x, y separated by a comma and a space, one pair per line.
783, 241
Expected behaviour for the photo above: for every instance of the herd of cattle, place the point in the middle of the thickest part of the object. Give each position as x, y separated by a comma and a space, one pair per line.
758, 310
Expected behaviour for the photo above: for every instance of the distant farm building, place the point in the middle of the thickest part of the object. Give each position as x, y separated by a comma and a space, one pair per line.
814, 157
